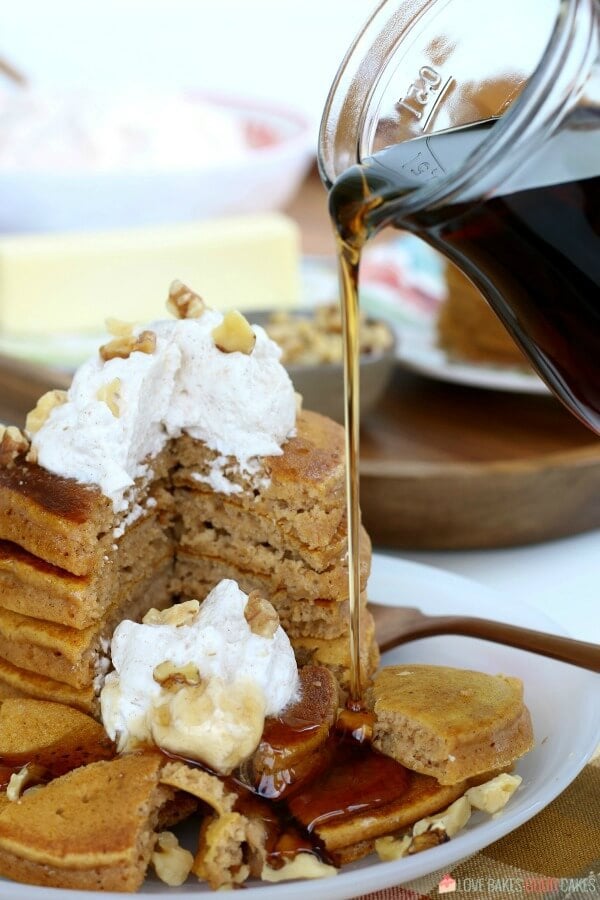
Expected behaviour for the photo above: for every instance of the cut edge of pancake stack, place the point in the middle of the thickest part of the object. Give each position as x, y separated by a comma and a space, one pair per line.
71, 568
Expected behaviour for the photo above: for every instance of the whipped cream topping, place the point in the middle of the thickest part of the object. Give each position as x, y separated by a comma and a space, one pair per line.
241, 405
242, 678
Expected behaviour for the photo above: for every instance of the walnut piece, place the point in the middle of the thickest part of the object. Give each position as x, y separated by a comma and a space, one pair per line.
28, 775
389, 847
303, 865
492, 796
38, 415
261, 616
111, 395
449, 821
427, 840
122, 347
13, 443
234, 334
118, 328
177, 615
170, 676
171, 862
183, 303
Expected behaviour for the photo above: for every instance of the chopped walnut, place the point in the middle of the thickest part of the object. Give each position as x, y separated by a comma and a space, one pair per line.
427, 840
492, 796
170, 676
449, 821
184, 303
317, 339
28, 775
118, 328
171, 862
179, 614
47, 402
122, 347
234, 334
261, 616
389, 848
111, 395
13, 443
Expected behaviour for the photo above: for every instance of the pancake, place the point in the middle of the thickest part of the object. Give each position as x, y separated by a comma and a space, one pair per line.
56, 737
36, 588
71, 569
71, 656
469, 329
451, 724
349, 838
92, 829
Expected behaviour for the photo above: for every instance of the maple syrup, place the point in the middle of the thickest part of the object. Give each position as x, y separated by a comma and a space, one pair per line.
533, 248
358, 777
347, 777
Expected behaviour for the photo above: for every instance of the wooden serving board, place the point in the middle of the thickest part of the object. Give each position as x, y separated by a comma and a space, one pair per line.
451, 467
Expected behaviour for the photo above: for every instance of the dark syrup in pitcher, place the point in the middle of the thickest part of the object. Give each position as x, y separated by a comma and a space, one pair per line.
534, 251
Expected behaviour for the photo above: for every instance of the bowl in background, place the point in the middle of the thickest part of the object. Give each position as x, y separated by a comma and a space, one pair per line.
279, 151
322, 384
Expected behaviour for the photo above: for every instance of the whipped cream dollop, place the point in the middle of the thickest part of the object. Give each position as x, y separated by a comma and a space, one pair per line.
241, 405
197, 680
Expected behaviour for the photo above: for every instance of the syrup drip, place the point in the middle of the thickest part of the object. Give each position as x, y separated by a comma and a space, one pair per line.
359, 778
340, 779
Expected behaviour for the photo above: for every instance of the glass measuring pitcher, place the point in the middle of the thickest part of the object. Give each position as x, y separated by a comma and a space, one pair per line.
477, 127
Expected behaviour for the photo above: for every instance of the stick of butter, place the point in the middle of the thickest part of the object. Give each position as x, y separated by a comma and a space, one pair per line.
71, 283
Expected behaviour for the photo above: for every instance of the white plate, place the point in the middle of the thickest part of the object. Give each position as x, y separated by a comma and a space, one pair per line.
418, 352
564, 703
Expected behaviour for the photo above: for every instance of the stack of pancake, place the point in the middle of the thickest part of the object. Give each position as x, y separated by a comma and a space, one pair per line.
468, 329
286, 539
71, 569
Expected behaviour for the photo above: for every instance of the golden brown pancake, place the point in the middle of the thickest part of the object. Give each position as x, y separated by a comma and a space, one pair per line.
292, 749
449, 723
469, 329
92, 829
424, 797
51, 735
71, 656
70, 569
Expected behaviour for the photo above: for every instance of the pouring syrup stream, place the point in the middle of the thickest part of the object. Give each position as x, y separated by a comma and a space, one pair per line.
351, 232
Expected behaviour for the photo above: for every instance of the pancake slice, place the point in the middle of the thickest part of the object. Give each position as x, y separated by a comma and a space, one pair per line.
92, 829
448, 723
424, 796
56, 737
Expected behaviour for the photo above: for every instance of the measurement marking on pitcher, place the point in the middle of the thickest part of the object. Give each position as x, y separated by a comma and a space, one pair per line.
417, 96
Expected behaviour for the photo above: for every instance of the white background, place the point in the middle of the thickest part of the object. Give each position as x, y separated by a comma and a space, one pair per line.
282, 50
